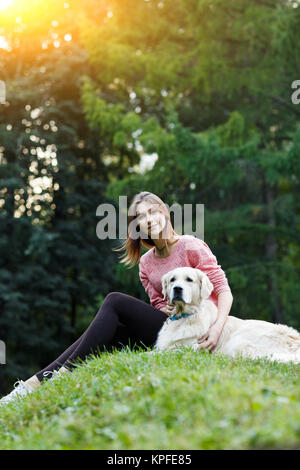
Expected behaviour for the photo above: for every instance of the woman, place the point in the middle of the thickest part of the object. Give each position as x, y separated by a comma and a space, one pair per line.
124, 320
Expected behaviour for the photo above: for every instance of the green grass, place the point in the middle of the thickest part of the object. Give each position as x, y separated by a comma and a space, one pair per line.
175, 400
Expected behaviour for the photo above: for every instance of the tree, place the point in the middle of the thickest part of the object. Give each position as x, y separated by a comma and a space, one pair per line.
52, 180
211, 83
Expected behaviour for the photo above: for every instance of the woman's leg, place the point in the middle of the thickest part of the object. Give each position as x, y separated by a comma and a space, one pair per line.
142, 320
121, 320
55, 365
122, 337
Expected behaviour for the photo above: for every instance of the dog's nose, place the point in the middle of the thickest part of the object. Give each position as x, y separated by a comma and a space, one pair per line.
177, 291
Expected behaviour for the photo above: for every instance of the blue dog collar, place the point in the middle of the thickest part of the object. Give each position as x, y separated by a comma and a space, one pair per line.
177, 317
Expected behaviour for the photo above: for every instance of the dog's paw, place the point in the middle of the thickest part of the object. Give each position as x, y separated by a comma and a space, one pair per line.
195, 346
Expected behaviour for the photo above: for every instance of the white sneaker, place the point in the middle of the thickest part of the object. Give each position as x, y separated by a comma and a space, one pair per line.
20, 391
54, 374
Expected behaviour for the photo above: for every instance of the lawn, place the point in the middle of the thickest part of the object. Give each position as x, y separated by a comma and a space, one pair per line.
172, 400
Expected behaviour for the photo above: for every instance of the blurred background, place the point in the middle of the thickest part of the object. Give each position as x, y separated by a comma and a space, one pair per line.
188, 99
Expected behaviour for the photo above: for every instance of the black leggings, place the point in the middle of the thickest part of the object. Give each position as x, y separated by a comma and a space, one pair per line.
121, 320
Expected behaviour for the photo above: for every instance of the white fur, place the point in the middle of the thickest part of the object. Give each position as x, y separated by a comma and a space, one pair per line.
248, 338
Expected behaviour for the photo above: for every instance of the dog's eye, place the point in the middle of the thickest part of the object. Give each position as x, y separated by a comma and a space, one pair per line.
189, 279
173, 279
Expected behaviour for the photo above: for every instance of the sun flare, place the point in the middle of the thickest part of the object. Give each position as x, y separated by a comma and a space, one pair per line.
5, 4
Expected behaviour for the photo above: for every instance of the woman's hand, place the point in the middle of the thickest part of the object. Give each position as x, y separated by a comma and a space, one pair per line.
210, 339
169, 309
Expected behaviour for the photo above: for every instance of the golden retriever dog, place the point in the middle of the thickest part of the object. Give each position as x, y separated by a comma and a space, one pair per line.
188, 289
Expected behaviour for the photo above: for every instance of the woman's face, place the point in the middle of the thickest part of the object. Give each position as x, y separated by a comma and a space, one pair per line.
150, 219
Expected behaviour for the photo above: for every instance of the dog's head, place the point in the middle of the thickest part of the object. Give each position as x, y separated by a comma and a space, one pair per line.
186, 285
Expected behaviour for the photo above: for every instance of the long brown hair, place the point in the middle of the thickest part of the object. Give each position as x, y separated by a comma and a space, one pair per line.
132, 246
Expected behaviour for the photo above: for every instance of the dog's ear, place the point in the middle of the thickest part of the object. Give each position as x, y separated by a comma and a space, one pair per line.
206, 286
164, 284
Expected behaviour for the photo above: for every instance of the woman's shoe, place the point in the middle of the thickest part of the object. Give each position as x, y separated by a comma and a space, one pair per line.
55, 373
19, 392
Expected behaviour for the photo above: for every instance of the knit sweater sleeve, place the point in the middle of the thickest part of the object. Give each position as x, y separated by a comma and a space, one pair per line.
200, 256
156, 298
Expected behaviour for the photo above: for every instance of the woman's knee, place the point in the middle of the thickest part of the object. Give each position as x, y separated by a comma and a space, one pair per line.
114, 297
119, 299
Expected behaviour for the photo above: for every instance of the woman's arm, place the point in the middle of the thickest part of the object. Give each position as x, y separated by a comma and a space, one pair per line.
169, 309
210, 340
156, 298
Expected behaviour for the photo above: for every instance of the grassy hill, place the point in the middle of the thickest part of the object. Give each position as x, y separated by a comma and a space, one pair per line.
175, 400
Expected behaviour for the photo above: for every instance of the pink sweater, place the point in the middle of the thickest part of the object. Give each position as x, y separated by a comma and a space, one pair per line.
188, 251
